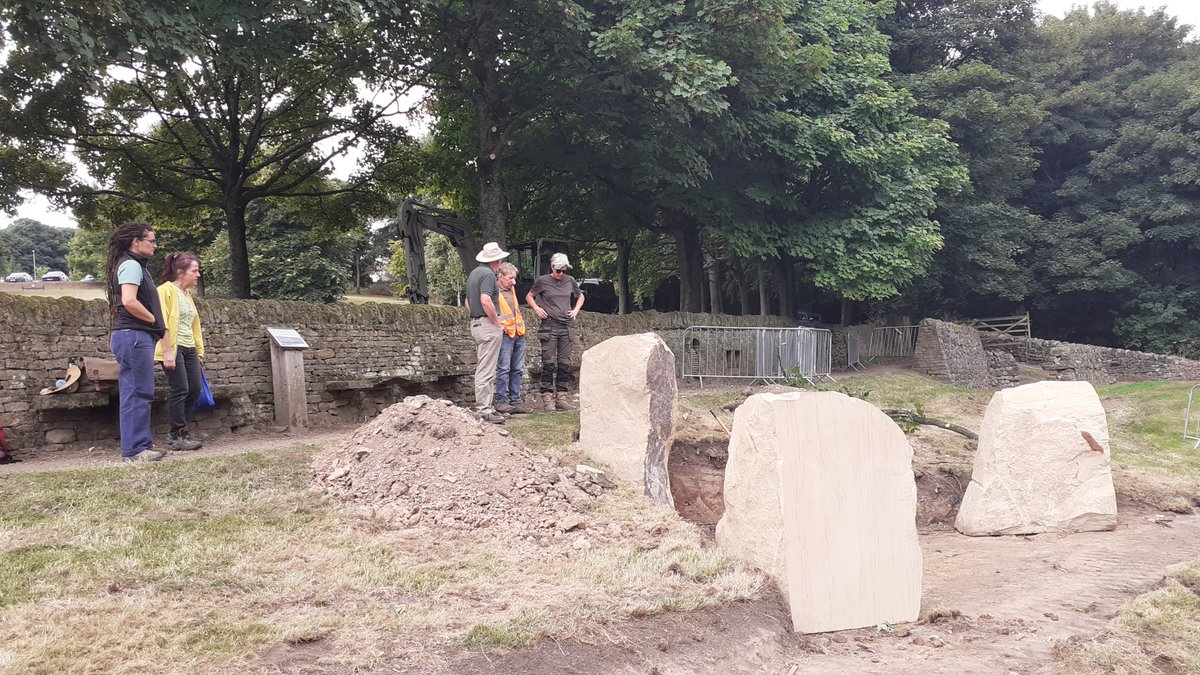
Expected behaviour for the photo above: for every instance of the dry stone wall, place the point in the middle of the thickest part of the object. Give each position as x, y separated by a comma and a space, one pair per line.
951, 353
363, 358
965, 357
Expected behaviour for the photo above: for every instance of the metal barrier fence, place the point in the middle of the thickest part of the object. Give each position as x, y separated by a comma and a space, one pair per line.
1189, 431
892, 341
854, 352
768, 354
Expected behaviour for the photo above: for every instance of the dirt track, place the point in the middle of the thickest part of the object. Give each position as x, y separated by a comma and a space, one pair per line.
1017, 597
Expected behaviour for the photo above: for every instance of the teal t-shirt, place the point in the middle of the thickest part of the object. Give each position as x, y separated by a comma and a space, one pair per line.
130, 272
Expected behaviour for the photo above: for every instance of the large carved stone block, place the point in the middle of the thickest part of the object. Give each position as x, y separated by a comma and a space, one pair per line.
819, 494
1043, 464
627, 397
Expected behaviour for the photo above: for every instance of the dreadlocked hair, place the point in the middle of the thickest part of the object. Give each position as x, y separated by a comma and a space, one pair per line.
118, 245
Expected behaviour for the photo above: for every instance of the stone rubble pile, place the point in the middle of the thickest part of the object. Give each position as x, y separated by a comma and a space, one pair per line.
426, 462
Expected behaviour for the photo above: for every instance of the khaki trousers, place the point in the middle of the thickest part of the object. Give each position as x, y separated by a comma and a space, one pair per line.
487, 337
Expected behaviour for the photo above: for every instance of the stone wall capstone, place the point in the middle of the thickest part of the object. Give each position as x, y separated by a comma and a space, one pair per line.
362, 359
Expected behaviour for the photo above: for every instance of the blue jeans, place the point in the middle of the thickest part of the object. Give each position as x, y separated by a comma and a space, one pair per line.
508, 369
134, 350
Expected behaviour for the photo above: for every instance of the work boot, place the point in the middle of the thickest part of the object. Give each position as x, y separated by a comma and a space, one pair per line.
489, 415
563, 400
505, 408
146, 455
182, 442
523, 407
548, 402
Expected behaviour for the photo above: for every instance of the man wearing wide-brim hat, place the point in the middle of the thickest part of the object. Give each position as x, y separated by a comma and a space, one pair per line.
486, 330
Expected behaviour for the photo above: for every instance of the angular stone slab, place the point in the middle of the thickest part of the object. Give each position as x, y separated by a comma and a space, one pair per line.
819, 494
1043, 464
627, 395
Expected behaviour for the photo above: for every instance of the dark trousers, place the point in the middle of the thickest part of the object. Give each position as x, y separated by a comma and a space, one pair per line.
185, 388
134, 350
555, 338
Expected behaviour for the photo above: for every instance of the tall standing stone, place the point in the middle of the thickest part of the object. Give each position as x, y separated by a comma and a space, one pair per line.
819, 494
627, 396
1043, 464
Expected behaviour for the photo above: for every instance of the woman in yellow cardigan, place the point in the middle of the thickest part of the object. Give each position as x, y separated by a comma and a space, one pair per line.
182, 348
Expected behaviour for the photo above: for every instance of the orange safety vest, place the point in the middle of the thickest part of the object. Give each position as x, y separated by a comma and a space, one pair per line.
510, 319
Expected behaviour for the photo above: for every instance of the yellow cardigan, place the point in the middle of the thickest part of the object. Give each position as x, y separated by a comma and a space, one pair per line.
170, 309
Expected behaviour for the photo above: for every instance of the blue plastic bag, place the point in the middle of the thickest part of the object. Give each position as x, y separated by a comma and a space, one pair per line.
205, 400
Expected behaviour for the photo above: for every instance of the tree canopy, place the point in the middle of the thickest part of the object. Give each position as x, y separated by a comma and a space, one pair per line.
936, 157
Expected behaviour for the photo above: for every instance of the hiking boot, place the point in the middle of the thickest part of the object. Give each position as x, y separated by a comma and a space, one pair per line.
505, 409
563, 400
548, 402
489, 415
182, 442
523, 408
146, 455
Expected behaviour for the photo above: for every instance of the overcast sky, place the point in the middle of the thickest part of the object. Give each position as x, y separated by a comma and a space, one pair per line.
1187, 11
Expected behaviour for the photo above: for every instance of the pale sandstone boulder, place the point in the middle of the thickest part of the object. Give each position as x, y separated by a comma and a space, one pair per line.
1043, 464
627, 397
819, 494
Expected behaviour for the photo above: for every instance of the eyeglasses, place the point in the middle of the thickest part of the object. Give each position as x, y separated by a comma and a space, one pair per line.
152, 242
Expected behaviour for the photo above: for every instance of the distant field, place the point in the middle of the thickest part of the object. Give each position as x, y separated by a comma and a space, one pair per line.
95, 292
57, 289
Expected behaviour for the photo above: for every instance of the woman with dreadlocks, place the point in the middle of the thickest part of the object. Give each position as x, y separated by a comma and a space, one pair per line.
137, 325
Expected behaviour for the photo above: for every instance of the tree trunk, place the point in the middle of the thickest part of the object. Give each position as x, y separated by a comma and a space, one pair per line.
743, 287
847, 312
239, 283
491, 111
492, 213
764, 295
624, 296
716, 306
786, 286
691, 264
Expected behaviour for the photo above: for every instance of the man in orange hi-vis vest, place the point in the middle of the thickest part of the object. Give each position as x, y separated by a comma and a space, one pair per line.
512, 347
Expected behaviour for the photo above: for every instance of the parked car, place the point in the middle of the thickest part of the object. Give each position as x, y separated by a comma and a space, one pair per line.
55, 275
88, 277
18, 277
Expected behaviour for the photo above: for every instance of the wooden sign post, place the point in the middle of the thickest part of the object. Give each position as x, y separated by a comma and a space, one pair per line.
287, 378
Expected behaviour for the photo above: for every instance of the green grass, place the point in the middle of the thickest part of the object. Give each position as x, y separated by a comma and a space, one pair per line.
207, 564
549, 433
1158, 632
1153, 462
51, 292
903, 389
360, 299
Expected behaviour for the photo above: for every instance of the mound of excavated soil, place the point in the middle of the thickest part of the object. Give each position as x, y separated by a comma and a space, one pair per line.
428, 462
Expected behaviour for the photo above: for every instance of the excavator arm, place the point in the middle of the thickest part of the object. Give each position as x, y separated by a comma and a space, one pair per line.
414, 218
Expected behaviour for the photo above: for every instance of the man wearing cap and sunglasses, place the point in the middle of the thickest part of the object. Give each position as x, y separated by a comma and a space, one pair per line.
555, 291
486, 330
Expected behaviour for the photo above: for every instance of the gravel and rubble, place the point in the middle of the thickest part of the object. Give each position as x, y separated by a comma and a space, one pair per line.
426, 462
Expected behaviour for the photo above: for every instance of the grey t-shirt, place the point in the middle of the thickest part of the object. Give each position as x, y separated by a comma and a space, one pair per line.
555, 296
481, 280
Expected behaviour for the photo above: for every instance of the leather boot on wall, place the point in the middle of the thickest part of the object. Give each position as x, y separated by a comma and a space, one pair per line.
563, 400
548, 402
